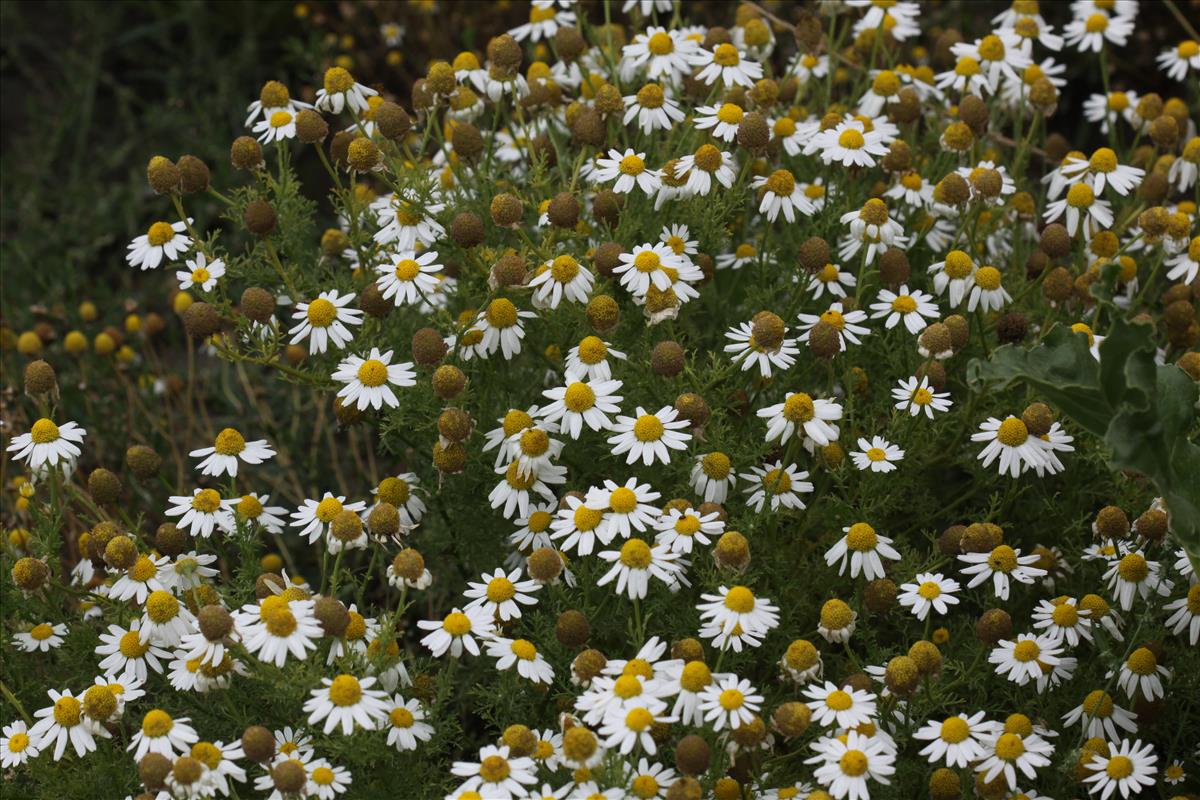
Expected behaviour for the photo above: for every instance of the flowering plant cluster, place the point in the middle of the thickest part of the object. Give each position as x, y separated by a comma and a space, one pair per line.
647, 409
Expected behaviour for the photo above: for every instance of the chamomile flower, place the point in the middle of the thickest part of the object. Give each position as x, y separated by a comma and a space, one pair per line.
502, 328
522, 654
16, 747
833, 279
955, 739
845, 707
911, 308
545, 18
847, 766
1184, 266
999, 55
650, 437
705, 168
712, 477
988, 294
497, 774
514, 492
956, 273
325, 320
1101, 716
314, 518
776, 484
277, 125
738, 608
590, 358
725, 63
340, 90
1180, 60
227, 450
919, 396
62, 722
580, 401
1011, 442
1185, 615
1006, 751
1102, 170
871, 227
147, 574
1023, 659
1083, 209
369, 380
1063, 620
729, 703
745, 349
720, 121
876, 455
1133, 575
1142, 674
561, 277
47, 444
41, 638
780, 192
277, 627
627, 169
457, 631
635, 563
346, 702
849, 144
863, 549
665, 54
1092, 32
163, 240
165, 620
252, 508
683, 530
407, 278
844, 323
502, 594
837, 622
1129, 768
201, 273
652, 109
1002, 564
627, 507
406, 725
161, 733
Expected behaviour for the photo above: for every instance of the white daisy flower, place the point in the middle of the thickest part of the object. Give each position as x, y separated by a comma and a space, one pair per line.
545, 18
1101, 716
804, 416
1083, 209
41, 638
275, 627
847, 766
1127, 769
1007, 751
726, 63
16, 748
747, 351
663, 53
652, 109
227, 450
876, 455
165, 620
163, 734
918, 396
340, 90
730, 703
590, 357
1090, 33
1142, 674
201, 273
845, 708
780, 192
369, 380
1022, 660
864, 550
712, 477
988, 294
628, 169
62, 722
252, 508
781, 485
704, 168
163, 240
635, 563
930, 590
1180, 60
502, 594
683, 530
1001, 564
737, 608
1010, 440
522, 654
145, 576
277, 125
1185, 615
1063, 620
561, 277
580, 401
47, 444
325, 320
496, 775
833, 279
407, 278
457, 631
346, 702
406, 725
955, 739
1132, 576
650, 437
848, 143
844, 322
502, 329
720, 121
313, 518
911, 308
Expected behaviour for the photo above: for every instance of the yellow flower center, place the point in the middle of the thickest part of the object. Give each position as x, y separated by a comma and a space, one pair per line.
745, 251
537, 14
777, 481
1098, 704
337, 80
648, 428
966, 67
784, 127
43, 431
524, 650
1012, 432
456, 624
206, 501
991, 48
494, 769
834, 318
42, 631
627, 686
632, 165
328, 508
635, 554
716, 466
534, 442
851, 139
651, 96
564, 269
726, 55
955, 730
922, 397
1142, 662
988, 278
18, 742
731, 699
1010, 747
904, 304
1103, 160
157, 723
143, 569
249, 507
407, 269
853, 763
401, 717
1188, 49
660, 44
322, 776
739, 600
1096, 23
345, 690
695, 676
876, 454
592, 350
587, 519
321, 313
730, 113
67, 712
1133, 568
161, 606
1026, 650
160, 233
1080, 196
861, 537
280, 622
836, 615
500, 590
1065, 615
279, 119
200, 275
782, 183
687, 525
839, 700
958, 264
501, 313
372, 372
929, 590
1003, 559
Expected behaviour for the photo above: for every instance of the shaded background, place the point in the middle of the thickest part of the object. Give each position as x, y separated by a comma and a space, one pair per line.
92, 90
